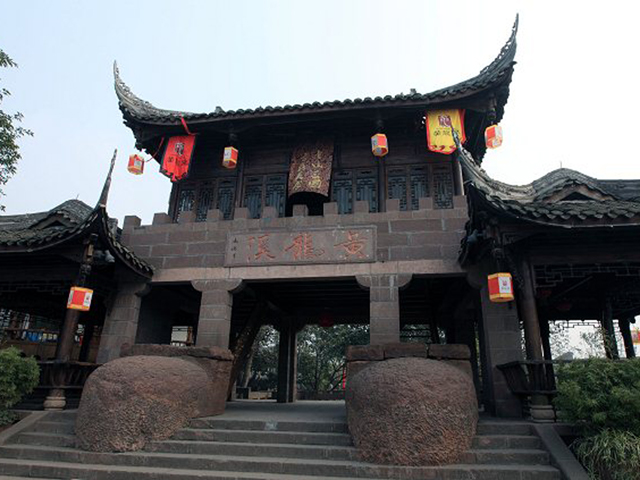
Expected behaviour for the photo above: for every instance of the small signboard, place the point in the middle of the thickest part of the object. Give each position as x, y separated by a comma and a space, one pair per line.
336, 245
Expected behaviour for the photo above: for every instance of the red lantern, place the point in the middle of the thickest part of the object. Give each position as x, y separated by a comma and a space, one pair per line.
230, 158
493, 136
564, 306
379, 145
80, 299
500, 287
326, 321
136, 164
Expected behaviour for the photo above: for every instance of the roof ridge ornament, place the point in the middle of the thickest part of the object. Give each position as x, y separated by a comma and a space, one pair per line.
134, 104
102, 201
508, 51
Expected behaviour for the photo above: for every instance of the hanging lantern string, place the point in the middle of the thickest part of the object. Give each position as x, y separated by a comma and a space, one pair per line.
186, 127
157, 151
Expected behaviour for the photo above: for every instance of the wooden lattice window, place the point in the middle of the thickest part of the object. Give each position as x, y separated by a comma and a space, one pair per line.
442, 185
205, 199
276, 193
267, 190
408, 185
225, 197
186, 200
203, 196
359, 184
342, 191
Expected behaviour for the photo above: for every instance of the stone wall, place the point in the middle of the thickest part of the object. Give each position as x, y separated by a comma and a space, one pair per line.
361, 356
401, 236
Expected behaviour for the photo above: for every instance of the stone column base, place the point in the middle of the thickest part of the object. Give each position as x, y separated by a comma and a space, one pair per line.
543, 414
55, 400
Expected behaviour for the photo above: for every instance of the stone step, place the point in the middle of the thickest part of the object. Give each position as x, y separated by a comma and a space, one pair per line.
272, 426
46, 426
44, 439
255, 436
227, 463
504, 428
49, 469
509, 456
68, 416
473, 456
325, 452
481, 442
505, 441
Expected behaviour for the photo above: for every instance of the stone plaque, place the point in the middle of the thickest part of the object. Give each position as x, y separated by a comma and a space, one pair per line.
335, 245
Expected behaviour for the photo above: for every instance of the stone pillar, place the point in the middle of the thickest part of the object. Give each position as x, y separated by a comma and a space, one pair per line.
625, 330
121, 322
384, 306
287, 362
501, 343
214, 322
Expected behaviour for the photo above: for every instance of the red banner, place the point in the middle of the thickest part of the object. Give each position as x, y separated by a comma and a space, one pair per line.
177, 157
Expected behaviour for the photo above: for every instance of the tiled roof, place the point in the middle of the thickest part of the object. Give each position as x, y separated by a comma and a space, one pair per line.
494, 74
25, 229
532, 202
23, 233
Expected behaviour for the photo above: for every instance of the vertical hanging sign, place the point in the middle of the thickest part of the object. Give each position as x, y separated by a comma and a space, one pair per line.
439, 123
177, 157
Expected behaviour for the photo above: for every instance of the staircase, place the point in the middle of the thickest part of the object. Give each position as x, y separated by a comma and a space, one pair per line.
232, 448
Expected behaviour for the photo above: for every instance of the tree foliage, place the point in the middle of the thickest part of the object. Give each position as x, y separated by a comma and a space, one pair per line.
321, 357
18, 377
10, 132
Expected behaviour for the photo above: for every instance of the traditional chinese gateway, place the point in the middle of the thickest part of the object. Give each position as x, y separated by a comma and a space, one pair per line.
288, 216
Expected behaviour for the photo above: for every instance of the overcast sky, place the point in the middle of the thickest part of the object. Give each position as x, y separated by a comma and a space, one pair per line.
573, 96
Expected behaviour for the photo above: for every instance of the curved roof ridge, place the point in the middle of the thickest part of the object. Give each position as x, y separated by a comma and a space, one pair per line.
496, 71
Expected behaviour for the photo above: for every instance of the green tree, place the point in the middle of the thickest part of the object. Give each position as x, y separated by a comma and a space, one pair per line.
321, 355
18, 377
10, 132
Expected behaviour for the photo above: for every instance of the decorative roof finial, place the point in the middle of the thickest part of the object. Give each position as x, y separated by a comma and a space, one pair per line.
102, 201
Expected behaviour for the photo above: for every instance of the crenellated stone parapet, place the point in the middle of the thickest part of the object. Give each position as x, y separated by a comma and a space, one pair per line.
426, 234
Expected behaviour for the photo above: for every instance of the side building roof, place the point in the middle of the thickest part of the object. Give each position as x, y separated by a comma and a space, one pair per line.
563, 198
73, 219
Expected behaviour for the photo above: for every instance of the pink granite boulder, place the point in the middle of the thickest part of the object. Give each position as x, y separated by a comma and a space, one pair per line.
411, 411
133, 400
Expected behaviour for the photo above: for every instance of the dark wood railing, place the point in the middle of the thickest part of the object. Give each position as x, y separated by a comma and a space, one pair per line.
65, 375
530, 377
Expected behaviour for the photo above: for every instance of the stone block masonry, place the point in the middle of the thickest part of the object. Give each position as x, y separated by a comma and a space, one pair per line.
183, 251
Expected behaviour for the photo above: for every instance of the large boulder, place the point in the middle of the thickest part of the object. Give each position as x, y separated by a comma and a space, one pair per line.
411, 411
133, 400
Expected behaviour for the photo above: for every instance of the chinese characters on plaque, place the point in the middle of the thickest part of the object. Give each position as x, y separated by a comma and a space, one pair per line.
305, 246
